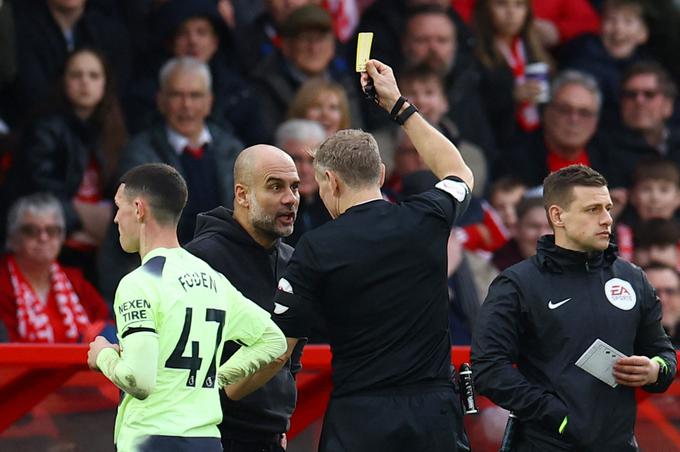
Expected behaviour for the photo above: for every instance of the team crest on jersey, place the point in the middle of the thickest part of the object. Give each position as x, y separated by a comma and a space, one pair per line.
620, 293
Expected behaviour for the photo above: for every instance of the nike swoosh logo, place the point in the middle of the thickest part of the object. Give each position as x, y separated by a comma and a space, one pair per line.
279, 308
552, 305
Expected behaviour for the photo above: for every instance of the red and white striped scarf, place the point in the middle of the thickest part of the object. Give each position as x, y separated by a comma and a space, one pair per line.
34, 322
527, 114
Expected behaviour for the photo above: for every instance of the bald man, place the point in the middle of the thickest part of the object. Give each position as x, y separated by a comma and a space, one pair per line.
245, 245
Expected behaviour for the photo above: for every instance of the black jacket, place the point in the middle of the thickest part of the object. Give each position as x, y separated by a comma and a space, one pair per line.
542, 314
254, 271
43, 50
54, 155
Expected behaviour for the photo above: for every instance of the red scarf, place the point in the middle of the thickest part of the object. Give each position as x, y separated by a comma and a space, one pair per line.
527, 114
34, 321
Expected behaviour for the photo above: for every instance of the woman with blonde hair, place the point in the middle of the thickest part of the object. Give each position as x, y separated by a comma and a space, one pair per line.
323, 101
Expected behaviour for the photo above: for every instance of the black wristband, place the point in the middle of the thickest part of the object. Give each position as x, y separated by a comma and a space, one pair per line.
401, 119
397, 106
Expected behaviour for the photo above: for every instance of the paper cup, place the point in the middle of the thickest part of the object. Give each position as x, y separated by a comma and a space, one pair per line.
539, 72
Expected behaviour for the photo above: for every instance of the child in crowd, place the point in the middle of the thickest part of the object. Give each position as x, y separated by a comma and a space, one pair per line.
606, 56
504, 196
532, 223
655, 194
657, 240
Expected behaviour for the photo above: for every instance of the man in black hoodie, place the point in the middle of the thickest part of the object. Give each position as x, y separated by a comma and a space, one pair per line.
245, 245
543, 313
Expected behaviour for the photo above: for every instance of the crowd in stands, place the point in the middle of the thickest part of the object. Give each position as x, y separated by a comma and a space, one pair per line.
92, 88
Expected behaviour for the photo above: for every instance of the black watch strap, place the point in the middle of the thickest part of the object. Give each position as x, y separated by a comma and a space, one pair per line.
397, 106
401, 119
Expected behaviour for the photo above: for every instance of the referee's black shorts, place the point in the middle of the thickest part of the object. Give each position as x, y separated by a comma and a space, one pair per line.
427, 420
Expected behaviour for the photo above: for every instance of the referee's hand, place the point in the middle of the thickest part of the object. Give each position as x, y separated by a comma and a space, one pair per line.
383, 81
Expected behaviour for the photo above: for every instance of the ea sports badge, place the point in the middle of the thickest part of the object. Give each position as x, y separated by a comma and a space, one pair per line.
620, 293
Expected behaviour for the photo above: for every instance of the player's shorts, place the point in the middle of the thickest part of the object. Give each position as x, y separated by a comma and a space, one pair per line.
159, 443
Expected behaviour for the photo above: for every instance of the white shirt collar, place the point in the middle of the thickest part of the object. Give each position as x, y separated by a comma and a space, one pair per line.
179, 142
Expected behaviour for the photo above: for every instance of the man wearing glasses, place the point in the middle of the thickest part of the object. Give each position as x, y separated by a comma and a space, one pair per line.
570, 121
647, 97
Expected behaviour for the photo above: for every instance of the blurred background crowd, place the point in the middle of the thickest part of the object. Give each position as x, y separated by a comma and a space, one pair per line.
91, 88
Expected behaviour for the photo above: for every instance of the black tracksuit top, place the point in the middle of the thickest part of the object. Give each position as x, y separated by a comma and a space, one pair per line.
542, 314
254, 271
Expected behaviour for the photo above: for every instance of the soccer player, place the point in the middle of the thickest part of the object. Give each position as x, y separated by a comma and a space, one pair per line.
174, 314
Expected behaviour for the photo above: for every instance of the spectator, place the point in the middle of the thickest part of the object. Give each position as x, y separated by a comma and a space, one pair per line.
201, 151
323, 101
504, 195
41, 301
425, 87
531, 225
387, 20
607, 54
430, 41
666, 282
72, 152
47, 31
657, 240
647, 97
567, 136
556, 21
299, 137
656, 187
663, 18
193, 29
307, 51
262, 36
506, 44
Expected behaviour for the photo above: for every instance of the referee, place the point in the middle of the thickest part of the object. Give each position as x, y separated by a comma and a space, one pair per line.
376, 275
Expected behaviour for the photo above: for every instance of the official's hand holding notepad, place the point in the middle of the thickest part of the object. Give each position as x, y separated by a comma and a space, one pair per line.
599, 361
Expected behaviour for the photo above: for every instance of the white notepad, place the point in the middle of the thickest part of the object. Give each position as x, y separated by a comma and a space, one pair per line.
599, 361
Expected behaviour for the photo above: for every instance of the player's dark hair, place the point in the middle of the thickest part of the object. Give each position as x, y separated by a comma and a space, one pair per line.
162, 186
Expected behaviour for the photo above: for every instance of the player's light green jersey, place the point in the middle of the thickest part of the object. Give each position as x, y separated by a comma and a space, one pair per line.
192, 310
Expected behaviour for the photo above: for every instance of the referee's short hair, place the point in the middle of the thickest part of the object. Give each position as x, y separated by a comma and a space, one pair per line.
558, 187
162, 186
352, 154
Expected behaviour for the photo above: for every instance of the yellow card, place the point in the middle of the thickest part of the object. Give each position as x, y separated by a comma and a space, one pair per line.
363, 50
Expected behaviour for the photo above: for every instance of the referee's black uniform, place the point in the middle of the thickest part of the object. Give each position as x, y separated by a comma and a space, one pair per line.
377, 276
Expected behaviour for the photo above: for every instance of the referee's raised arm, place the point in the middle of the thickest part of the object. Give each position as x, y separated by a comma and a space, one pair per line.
438, 152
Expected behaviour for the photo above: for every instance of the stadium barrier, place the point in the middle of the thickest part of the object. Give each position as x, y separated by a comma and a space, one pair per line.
40, 381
